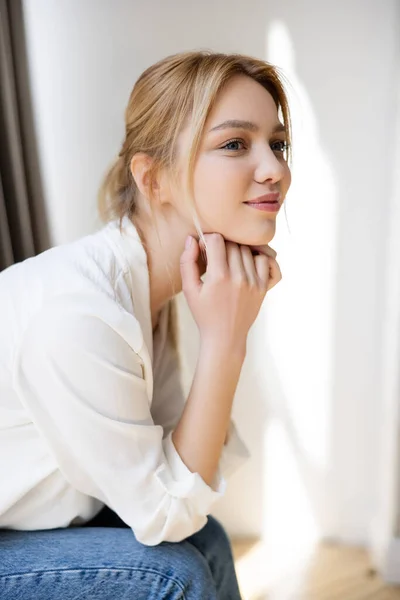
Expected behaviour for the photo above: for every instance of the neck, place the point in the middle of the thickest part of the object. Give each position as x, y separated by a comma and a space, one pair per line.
163, 237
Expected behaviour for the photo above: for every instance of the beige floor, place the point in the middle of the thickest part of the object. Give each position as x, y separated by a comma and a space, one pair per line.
329, 573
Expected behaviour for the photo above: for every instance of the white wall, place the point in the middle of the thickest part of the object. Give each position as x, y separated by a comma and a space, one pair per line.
385, 526
327, 320
309, 398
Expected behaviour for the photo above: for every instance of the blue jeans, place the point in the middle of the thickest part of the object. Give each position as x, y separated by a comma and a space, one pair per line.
103, 561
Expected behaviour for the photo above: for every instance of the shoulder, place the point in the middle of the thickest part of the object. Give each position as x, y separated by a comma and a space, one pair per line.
89, 270
87, 263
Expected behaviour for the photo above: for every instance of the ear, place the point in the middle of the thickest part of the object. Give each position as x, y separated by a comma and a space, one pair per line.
141, 164
140, 168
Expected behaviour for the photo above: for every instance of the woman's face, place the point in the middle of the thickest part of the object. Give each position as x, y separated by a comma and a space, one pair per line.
241, 160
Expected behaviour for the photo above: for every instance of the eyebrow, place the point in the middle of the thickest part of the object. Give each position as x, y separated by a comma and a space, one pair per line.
238, 124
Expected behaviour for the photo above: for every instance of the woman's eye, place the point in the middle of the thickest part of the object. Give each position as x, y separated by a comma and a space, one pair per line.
279, 146
233, 145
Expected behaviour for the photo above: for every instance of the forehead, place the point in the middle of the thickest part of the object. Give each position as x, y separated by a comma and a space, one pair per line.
245, 99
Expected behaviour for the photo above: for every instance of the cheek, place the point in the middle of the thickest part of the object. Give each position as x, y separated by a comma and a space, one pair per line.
224, 181
287, 180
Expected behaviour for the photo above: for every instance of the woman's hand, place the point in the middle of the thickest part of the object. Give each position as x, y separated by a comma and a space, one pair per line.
265, 249
227, 303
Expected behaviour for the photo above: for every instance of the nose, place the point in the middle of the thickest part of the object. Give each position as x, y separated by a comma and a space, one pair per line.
269, 167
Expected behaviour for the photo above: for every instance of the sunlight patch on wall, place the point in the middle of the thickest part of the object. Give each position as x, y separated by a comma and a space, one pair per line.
289, 525
300, 309
298, 318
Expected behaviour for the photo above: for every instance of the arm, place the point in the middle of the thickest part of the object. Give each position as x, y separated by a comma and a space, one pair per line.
224, 308
168, 406
201, 432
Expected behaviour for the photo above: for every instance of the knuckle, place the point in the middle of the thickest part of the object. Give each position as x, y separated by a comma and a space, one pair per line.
220, 276
253, 286
240, 281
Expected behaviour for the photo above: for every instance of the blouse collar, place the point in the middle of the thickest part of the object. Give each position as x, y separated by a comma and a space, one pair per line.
137, 271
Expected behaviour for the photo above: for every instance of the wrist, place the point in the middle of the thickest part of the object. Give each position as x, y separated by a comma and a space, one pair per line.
222, 348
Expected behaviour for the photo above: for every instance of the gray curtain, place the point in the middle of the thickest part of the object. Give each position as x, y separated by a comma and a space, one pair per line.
23, 228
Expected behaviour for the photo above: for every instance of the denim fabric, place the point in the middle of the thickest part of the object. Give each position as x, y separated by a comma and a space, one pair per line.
103, 561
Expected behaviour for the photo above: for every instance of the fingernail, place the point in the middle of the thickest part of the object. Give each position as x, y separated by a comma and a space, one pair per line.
188, 242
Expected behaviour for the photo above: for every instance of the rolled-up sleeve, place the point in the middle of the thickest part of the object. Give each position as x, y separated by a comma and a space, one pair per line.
84, 386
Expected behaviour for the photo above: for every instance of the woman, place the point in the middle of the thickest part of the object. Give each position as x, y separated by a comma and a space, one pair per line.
108, 475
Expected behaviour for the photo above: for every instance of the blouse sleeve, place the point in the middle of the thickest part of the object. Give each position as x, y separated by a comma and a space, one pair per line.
84, 387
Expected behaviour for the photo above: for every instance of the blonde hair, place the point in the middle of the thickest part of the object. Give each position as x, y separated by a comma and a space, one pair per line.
177, 91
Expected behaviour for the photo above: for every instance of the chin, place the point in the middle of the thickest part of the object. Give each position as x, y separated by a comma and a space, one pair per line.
261, 240
251, 235
252, 241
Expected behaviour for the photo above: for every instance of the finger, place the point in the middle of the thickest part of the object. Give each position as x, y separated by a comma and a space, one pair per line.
275, 274
249, 265
265, 249
216, 254
261, 263
270, 252
235, 262
190, 271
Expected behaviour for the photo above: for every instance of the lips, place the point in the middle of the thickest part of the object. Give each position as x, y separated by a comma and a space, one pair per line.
269, 203
272, 198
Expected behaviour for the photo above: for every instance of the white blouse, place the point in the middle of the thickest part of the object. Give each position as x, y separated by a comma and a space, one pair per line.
88, 399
